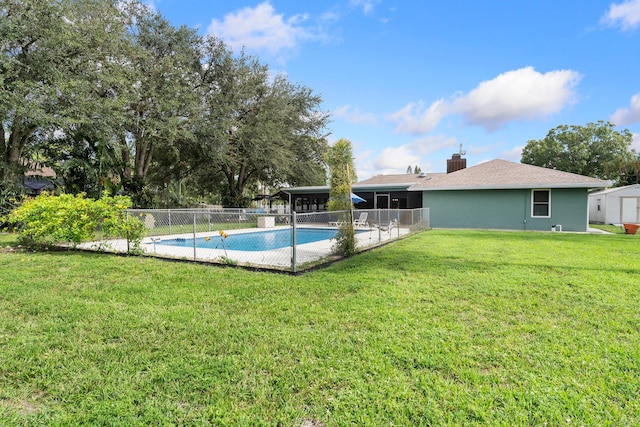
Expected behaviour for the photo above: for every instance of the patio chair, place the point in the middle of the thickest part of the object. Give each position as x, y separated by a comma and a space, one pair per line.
362, 220
392, 223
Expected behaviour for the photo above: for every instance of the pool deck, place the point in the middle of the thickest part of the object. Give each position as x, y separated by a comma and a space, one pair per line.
276, 259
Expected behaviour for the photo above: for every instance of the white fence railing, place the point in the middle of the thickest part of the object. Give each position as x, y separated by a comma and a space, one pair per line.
255, 238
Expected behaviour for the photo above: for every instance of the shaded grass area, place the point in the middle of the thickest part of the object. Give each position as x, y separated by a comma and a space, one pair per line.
445, 327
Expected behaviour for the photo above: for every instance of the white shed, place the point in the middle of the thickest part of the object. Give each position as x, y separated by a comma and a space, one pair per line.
615, 205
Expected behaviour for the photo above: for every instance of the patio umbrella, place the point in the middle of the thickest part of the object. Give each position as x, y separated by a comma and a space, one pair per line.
357, 199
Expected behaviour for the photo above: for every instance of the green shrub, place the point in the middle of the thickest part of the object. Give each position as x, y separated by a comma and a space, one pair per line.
10, 199
345, 240
48, 219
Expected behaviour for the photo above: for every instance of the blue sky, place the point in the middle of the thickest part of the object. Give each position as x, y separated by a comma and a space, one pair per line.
408, 81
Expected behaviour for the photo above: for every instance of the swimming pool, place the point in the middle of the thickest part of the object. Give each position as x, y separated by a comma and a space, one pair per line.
255, 241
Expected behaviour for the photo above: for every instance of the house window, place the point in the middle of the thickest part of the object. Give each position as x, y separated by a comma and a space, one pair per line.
541, 203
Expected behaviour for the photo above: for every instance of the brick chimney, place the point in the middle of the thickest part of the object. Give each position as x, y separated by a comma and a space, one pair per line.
456, 163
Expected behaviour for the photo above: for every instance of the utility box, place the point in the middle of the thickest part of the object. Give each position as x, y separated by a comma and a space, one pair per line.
266, 221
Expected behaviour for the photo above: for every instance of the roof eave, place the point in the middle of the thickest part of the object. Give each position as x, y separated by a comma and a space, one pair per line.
512, 186
355, 187
403, 186
298, 190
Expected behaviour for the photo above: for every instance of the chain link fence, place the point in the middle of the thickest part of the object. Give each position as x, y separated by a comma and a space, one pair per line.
255, 238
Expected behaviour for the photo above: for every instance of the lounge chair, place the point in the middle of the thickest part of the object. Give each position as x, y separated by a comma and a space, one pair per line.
362, 220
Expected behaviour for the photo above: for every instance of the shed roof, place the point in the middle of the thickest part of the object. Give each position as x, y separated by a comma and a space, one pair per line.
618, 189
502, 174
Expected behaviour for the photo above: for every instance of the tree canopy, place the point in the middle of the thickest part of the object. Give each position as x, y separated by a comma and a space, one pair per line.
595, 150
53, 55
112, 96
256, 127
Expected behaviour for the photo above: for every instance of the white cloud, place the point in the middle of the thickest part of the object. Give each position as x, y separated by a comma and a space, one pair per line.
625, 15
414, 119
364, 167
354, 115
511, 96
260, 29
514, 154
517, 95
366, 5
635, 143
396, 159
431, 144
627, 116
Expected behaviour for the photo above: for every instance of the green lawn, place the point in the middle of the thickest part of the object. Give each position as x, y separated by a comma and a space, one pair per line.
615, 229
442, 328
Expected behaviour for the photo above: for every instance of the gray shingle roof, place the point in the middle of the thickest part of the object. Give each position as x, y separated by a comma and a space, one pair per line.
403, 178
502, 174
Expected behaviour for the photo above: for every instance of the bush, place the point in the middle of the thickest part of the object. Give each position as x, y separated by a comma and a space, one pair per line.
10, 198
345, 244
49, 220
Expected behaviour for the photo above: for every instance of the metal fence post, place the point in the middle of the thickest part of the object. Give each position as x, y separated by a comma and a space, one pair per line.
127, 219
194, 237
412, 221
169, 212
294, 221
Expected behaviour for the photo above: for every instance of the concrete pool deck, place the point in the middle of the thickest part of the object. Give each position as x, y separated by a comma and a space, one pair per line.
275, 258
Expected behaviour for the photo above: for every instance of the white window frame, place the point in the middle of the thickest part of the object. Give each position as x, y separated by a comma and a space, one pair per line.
533, 191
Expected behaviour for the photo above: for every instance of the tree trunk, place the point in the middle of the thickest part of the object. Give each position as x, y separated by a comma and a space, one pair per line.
13, 148
144, 153
126, 162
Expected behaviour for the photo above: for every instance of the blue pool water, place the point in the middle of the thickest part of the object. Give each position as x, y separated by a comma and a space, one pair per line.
257, 241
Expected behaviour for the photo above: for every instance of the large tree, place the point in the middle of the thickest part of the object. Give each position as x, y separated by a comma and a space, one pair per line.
109, 94
255, 127
34, 63
84, 149
629, 169
165, 63
594, 150
55, 60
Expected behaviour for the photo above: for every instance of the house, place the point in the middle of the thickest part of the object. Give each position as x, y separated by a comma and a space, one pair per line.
499, 194
493, 195
37, 179
615, 205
